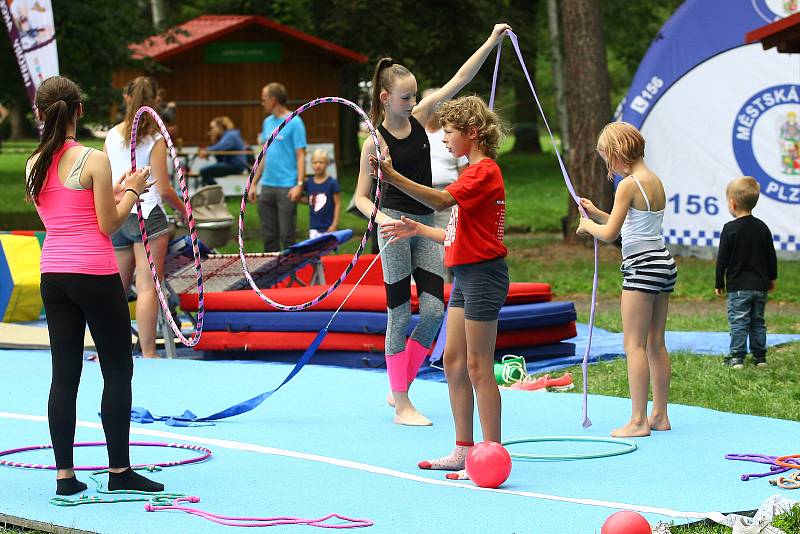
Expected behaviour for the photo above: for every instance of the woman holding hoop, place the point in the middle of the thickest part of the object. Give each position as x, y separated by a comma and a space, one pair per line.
151, 149
80, 207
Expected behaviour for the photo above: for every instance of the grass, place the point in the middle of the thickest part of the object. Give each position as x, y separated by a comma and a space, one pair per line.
704, 381
537, 200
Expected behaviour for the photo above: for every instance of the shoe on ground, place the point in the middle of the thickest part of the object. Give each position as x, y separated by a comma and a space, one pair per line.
734, 362
760, 361
563, 383
531, 384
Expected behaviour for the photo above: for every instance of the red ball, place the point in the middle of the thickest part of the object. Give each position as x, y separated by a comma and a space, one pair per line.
488, 464
626, 522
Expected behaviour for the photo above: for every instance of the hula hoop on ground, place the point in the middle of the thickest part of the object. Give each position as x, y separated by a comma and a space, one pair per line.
783, 461
361, 246
206, 454
195, 338
629, 446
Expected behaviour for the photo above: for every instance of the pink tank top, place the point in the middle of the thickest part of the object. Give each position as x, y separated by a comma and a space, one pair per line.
74, 242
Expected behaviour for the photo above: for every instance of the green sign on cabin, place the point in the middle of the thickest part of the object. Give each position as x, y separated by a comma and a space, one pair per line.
226, 52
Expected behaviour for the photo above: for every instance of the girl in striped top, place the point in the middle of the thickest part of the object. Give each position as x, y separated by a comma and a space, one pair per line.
648, 271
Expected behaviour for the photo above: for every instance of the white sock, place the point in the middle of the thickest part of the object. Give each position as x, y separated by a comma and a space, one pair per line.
452, 462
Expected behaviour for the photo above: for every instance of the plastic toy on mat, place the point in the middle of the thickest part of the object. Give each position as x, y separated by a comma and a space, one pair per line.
510, 373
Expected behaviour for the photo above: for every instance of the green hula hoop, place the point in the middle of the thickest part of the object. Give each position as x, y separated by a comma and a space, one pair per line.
630, 446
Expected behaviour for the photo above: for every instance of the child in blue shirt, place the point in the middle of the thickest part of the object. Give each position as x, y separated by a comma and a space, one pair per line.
322, 194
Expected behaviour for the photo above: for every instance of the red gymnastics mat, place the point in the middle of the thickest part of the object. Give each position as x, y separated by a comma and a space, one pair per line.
283, 341
365, 297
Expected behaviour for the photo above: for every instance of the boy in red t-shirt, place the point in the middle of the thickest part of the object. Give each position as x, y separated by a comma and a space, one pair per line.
474, 249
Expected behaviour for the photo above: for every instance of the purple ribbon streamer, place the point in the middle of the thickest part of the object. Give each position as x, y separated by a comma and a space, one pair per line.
585, 364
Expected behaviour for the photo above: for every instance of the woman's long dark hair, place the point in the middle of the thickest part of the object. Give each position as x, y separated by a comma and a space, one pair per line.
57, 99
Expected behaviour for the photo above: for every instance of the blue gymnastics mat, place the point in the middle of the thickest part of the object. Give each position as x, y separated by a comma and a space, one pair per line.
512, 317
326, 443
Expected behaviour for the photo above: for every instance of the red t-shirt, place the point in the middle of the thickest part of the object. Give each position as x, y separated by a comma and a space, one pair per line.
477, 223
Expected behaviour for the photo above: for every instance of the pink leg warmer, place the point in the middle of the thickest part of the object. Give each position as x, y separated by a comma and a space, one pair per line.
416, 355
396, 368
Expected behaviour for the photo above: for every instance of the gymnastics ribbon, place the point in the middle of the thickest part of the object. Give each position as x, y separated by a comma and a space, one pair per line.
585, 364
142, 415
195, 338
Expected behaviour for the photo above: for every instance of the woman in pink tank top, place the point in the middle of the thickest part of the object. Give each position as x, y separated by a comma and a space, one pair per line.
80, 207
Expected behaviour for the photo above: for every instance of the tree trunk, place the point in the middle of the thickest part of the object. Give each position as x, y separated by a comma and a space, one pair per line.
558, 71
159, 14
17, 121
588, 103
526, 126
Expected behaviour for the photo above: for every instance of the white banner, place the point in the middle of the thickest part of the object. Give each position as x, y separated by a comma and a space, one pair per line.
713, 109
30, 27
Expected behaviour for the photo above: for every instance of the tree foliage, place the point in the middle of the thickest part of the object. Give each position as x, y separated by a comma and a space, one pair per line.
431, 38
92, 38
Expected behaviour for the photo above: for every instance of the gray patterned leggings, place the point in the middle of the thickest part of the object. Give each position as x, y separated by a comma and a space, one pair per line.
402, 259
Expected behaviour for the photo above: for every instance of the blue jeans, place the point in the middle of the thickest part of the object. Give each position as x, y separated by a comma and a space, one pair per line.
217, 170
746, 318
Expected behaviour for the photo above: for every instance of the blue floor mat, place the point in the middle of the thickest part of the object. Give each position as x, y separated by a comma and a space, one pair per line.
326, 443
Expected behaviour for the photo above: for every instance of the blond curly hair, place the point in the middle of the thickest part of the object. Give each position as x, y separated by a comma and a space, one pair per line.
471, 111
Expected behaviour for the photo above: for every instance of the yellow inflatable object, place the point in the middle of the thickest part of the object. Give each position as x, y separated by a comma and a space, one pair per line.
20, 299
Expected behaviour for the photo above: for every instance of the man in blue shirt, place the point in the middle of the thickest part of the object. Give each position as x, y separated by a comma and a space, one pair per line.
282, 171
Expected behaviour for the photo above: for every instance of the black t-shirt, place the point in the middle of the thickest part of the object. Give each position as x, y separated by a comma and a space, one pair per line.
746, 259
411, 157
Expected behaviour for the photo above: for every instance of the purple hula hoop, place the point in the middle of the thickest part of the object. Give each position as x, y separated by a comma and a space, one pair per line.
206, 454
195, 338
361, 246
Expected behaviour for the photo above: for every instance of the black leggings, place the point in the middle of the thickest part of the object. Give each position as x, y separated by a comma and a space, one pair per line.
71, 301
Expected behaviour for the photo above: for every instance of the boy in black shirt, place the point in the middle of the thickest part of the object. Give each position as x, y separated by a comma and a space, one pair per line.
747, 267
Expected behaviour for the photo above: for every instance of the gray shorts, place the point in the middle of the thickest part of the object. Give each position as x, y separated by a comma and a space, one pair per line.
480, 288
129, 233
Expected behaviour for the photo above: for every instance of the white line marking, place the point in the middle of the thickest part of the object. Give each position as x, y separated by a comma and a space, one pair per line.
359, 466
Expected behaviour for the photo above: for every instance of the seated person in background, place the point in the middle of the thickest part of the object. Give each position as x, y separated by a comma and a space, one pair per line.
226, 138
322, 194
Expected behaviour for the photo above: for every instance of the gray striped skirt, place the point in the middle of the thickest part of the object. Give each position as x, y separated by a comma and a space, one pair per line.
650, 271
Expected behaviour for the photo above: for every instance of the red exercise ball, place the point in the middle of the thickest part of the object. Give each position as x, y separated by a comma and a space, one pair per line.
626, 522
488, 464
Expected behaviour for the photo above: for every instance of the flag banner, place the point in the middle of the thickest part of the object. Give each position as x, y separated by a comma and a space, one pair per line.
713, 108
30, 27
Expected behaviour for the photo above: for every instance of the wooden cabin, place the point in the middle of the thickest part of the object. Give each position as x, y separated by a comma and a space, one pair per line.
217, 65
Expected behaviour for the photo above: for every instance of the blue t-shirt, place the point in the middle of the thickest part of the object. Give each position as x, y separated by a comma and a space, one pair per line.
280, 165
320, 202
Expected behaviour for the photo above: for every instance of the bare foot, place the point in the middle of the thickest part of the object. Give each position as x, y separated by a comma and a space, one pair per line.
659, 422
411, 417
632, 430
390, 399
154, 356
